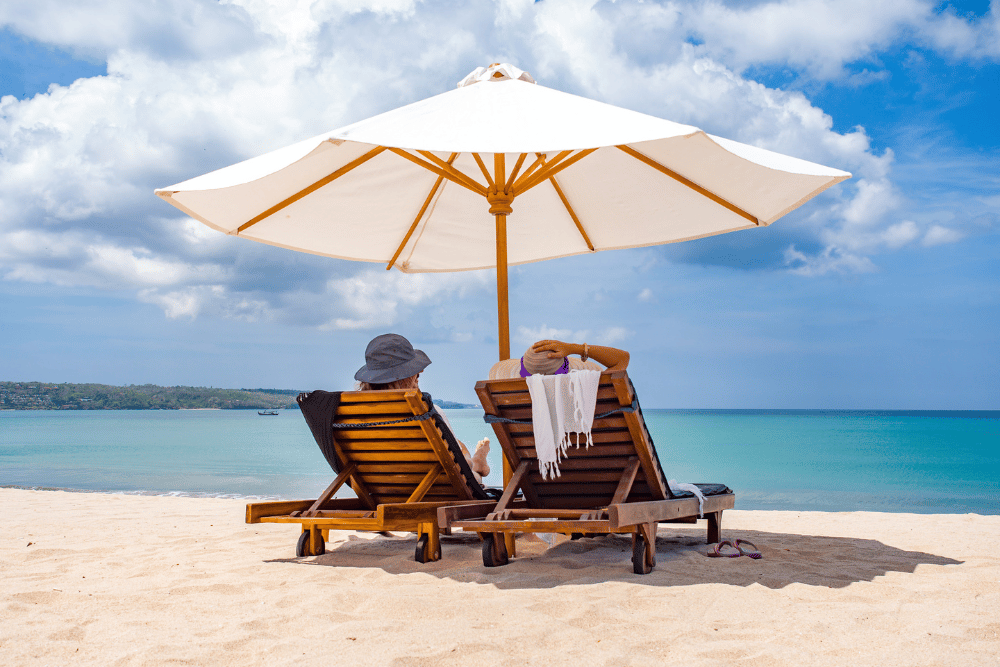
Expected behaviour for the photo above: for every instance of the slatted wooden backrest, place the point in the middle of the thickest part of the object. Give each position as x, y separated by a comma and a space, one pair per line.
589, 476
394, 459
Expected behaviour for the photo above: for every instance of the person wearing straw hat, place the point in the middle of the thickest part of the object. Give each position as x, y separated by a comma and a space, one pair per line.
392, 363
552, 357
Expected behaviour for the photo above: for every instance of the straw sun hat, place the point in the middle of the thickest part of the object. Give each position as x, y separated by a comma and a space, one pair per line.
537, 362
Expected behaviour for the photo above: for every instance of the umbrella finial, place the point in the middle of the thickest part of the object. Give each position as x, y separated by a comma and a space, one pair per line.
495, 72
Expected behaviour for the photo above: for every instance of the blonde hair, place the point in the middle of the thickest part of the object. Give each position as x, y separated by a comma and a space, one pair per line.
405, 383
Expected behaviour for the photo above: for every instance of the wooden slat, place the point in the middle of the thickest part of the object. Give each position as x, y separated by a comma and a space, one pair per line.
384, 477
373, 395
370, 457
400, 408
404, 432
397, 468
587, 476
603, 489
386, 445
596, 451
615, 437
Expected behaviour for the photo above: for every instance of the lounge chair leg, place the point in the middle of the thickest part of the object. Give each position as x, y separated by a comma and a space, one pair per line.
511, 544
311, 542
316, 543
428, 543
714, 527
644, 548
494, 550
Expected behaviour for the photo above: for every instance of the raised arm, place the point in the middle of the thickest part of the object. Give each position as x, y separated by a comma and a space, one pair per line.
612, 357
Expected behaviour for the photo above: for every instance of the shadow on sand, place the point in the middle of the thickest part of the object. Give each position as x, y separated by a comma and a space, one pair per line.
831, 562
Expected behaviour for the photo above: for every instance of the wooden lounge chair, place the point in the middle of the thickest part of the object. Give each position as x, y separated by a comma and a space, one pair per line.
615, 486
399, 457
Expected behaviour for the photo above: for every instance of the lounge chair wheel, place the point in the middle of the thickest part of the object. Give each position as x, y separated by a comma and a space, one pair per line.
421, 555
639, 564
494, 551
302, 546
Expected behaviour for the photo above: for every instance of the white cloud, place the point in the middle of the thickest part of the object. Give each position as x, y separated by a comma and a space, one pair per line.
645, 295
899, 235
821, 37
830, 260
612, 336
193, 86
528, 335
376, 298
938, 235
212, 299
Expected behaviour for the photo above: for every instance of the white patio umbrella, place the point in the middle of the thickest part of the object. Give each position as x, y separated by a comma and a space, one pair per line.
411, 188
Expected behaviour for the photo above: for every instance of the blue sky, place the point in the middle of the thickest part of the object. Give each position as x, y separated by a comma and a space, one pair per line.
883, 292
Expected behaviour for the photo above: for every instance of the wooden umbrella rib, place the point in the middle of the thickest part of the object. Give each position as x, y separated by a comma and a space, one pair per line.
464, 182
453, 172
508, 186
572, 213
312, 188
527, 181
416, 220
539, 161
691, 184
486, 173
551, 170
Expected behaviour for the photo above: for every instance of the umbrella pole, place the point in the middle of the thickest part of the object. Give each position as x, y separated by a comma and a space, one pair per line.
503, 331
503, 307
500, 207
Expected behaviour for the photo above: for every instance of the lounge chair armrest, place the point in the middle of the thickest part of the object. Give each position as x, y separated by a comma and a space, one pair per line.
631, 514
256, 511
473, 510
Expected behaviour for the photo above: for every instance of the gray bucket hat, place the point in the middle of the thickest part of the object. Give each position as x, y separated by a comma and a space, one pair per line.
391, 357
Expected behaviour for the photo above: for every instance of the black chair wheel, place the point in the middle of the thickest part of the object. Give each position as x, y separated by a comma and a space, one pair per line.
421, 555
302, 546
639, 564
494, 551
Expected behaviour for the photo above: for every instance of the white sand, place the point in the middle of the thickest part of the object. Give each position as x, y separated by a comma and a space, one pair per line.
131, 580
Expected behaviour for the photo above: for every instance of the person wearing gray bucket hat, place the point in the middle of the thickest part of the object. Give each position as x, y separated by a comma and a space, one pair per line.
390, 358
392, 363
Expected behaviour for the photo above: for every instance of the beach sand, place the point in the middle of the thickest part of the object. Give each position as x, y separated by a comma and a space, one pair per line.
105, 579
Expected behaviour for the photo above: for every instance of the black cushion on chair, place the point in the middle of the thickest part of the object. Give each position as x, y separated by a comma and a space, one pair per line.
319, 408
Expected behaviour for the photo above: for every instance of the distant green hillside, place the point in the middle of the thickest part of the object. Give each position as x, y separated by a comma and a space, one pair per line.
47, 396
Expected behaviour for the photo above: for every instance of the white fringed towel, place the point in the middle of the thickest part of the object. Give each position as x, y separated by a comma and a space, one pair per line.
560, 405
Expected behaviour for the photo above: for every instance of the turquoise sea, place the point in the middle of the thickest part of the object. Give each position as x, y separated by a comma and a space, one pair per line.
887, 461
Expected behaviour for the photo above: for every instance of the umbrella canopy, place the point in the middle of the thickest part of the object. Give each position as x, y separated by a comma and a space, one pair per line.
412, 187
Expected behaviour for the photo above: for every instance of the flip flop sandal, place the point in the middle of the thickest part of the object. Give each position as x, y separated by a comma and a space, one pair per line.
716, 552
750, 549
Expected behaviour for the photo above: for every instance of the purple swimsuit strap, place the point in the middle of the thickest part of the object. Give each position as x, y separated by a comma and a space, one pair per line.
562, 370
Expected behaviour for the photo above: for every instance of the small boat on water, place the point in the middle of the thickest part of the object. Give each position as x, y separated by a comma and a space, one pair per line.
267, 413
